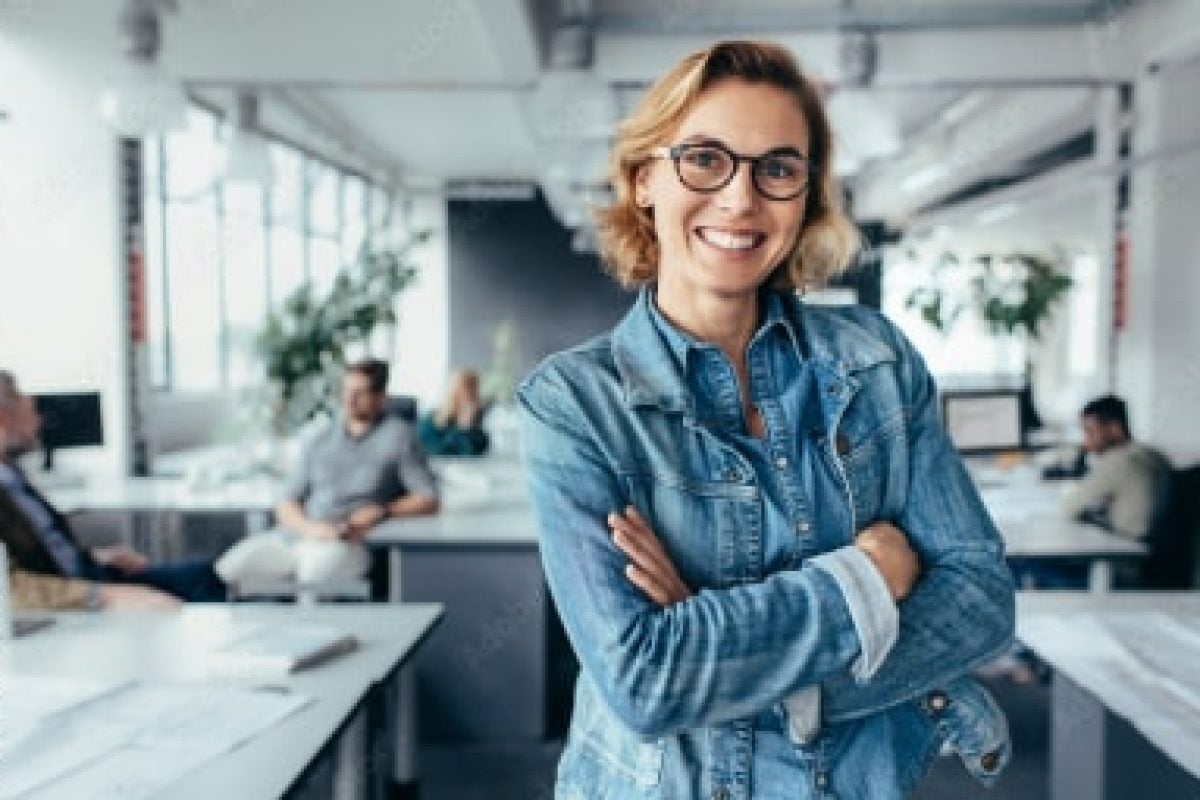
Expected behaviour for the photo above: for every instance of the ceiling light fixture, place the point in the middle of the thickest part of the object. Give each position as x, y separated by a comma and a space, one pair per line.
858, 57
924, 177
994, 214
142, 100
864, 126
248, 158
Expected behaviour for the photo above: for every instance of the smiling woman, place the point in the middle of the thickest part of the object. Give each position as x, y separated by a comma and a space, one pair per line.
772, 566
667, 115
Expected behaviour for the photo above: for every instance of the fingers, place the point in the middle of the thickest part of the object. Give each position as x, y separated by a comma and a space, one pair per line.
649, 585
651, 569
635, 528
637, 542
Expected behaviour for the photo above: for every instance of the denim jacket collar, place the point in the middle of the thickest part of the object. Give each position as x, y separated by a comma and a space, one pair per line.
652, 375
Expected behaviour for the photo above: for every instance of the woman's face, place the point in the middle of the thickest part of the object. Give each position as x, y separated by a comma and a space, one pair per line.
725, 243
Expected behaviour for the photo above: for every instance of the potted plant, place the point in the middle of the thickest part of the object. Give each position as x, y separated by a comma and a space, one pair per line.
1014, 294
500, 385
303, 344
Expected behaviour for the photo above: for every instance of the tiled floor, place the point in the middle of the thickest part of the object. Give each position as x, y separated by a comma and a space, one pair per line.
525, 772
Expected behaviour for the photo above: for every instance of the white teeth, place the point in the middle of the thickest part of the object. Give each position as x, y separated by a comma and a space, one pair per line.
728, 241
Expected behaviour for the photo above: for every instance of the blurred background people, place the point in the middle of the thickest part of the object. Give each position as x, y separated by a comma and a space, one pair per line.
1127, 483
52, 568
366, 468
455, 428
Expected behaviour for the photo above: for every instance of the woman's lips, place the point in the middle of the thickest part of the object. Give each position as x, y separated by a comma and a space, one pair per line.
734, 240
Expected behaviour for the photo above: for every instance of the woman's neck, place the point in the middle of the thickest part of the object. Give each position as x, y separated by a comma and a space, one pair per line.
727, 322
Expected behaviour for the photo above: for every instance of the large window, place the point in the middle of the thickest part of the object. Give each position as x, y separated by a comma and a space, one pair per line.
969, 351
220, 256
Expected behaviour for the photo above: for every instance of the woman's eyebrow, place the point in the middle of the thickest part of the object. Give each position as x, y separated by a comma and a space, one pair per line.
704, 138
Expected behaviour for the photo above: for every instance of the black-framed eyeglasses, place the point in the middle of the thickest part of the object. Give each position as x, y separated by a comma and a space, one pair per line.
780, 174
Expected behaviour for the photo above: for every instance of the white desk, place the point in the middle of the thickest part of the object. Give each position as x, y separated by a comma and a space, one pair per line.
500, 523
1028, 513
1126, 691
171, 648
115, 493
154, 509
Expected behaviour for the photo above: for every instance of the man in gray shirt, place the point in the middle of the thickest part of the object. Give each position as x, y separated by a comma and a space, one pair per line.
364, 469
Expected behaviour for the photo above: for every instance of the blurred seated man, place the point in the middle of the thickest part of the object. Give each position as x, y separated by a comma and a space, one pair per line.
364, 469
456, 427
1125, 488
50, 569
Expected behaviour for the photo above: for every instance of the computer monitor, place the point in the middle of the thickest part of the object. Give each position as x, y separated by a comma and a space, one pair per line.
69, 420
983, 421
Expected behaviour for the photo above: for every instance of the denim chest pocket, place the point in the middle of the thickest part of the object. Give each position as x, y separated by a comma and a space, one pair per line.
696, 520
867, 441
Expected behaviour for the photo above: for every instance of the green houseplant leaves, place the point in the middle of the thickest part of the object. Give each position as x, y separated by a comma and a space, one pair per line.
1014, 294
303, 345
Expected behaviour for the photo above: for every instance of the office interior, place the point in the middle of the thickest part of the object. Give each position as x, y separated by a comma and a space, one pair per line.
142, 251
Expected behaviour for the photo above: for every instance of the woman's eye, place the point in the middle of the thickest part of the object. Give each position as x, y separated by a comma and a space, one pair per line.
704, 159
779, 168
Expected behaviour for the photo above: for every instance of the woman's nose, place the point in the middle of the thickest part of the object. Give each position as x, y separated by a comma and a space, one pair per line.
739, 195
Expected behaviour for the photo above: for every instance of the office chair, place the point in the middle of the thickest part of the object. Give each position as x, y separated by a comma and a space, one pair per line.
402, 406
1174, 539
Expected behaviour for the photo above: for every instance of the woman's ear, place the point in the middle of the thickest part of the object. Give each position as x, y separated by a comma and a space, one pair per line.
641, 187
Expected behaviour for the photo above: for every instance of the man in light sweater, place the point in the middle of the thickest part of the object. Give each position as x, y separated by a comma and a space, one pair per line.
1127, 483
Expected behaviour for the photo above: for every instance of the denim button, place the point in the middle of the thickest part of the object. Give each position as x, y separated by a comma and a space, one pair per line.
781, 462
843, 445
803, 526
733, 476
937, 701
990, 761
821, 779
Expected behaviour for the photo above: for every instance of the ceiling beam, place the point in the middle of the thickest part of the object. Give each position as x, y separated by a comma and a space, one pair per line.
894, 17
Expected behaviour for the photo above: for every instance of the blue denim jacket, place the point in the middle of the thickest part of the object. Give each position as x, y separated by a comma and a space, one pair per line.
686, 701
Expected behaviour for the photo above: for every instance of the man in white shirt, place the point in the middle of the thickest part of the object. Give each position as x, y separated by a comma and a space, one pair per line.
1127, 483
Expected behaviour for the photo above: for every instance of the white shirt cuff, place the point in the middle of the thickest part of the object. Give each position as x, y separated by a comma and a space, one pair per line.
804, 714
874, 613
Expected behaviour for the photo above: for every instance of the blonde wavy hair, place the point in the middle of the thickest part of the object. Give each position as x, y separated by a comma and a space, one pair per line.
628, 245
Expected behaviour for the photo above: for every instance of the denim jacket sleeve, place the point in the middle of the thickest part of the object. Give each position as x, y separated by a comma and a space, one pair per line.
962, 611
718, 656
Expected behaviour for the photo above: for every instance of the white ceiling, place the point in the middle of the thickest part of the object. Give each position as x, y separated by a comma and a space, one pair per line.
430, 92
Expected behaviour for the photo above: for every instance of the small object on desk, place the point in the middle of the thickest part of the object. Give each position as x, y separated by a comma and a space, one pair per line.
26, 625
1067, 469
279, 650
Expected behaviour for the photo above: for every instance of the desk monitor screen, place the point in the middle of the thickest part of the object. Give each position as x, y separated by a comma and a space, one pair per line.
983, 422
69, 420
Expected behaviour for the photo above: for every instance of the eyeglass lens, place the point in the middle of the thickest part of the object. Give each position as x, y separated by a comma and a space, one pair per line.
708, 167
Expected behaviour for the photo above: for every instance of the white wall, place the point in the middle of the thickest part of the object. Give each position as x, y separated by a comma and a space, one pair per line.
1159, 353
61, 312
421, 358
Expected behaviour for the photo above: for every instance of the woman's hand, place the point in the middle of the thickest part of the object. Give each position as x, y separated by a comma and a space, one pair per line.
650, 569
890, 552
